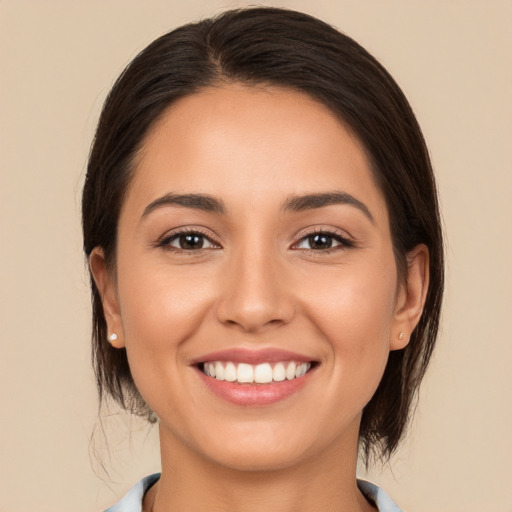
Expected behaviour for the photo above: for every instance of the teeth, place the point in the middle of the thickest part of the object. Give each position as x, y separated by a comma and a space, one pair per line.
209, 369
263, 373
244, 373
260, 374
219, 371
290, 371
300, 371
230, 372
279, 372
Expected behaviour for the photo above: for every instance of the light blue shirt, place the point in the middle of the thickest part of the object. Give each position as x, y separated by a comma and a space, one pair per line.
132, 501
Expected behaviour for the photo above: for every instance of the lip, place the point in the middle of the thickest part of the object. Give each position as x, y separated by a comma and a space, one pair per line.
255, 395
241, 355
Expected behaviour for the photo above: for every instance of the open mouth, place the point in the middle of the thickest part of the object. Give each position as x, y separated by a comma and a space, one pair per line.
263, 373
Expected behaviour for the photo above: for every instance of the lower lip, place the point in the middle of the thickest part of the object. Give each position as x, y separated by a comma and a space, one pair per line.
254, 394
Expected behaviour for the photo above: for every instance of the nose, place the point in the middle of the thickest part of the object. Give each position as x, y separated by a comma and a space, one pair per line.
254, 294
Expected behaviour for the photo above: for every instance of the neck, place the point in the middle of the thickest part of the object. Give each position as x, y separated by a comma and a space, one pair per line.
190, 483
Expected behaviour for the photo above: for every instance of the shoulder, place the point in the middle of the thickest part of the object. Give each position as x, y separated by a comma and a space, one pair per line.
132, 500
375, 494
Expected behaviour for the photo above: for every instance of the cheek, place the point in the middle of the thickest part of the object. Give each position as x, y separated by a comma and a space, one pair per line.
160, 310
354, 311
158, 301
354, 301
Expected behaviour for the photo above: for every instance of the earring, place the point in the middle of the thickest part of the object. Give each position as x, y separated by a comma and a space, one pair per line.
112, 337
401, 336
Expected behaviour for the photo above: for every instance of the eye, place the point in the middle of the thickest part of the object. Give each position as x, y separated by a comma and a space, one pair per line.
323, 241
188, 241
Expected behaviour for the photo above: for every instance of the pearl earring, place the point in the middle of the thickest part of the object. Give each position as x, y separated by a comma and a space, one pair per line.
401, 336
112, 337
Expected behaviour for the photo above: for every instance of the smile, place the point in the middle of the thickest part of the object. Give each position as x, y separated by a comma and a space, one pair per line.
255, 378
263, 373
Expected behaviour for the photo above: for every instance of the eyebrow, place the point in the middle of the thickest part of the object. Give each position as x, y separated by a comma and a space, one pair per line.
312, 201
196, 201
294, 203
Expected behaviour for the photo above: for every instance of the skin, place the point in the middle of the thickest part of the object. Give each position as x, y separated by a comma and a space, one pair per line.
257, 283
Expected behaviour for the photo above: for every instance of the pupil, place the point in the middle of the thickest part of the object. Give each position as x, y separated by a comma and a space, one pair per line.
320, 241
191, 242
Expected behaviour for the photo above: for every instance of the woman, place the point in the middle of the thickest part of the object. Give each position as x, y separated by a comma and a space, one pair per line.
261, 222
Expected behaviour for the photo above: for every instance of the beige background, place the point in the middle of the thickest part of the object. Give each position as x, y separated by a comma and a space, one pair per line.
58, 60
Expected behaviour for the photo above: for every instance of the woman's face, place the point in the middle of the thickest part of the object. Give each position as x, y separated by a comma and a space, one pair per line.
254, 243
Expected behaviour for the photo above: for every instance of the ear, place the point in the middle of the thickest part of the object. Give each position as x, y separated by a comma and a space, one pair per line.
411, 297
107, 290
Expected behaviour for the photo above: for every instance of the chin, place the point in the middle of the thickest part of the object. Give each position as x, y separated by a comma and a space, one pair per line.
260, 448
256, 460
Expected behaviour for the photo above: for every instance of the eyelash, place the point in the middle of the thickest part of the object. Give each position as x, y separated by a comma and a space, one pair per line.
337, 236
343, 241
175, 235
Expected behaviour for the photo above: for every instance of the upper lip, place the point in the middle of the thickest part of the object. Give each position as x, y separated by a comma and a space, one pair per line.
241, 355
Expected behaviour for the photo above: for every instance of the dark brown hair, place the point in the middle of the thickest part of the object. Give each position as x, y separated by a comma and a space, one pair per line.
268, 46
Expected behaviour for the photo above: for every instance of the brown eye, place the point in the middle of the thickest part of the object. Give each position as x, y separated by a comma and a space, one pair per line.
188, 241
192, 241
320, 241
323, 241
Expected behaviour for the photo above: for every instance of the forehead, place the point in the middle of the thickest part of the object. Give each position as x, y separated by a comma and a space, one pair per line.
249, 143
